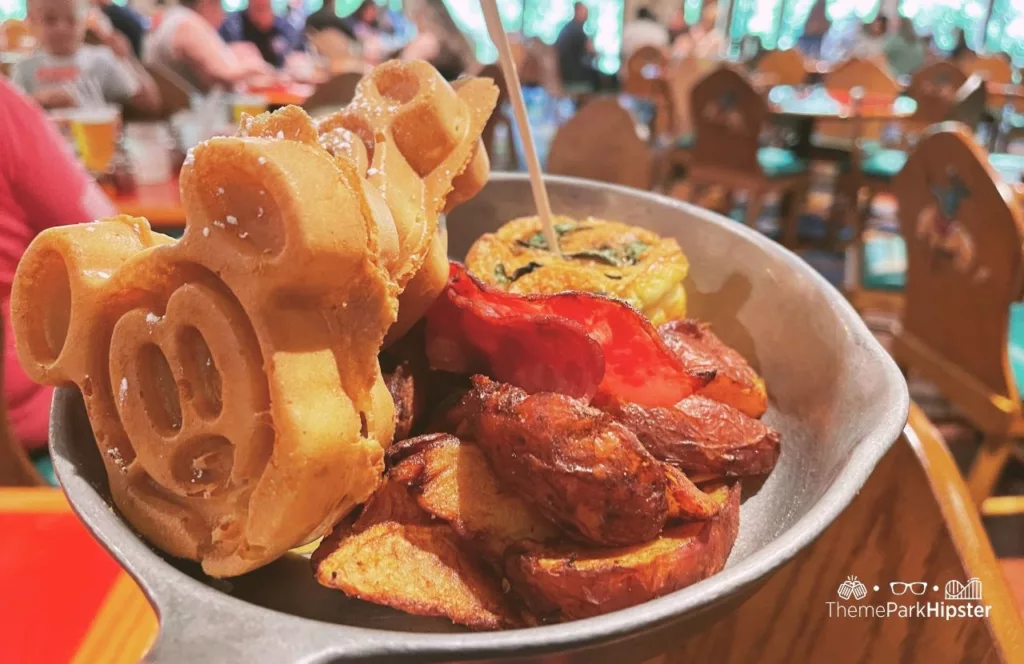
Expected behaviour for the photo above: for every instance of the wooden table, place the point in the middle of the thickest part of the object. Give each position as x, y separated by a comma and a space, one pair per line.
159, 203
912, 521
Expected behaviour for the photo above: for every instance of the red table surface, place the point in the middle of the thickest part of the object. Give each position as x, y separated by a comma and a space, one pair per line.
63, 598
54, 576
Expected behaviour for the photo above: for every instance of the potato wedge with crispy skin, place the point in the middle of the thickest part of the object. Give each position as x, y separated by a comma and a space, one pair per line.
576, 466
416, 569
701, 352
686, 501
565, 583
402, 384
452, 481
702, 436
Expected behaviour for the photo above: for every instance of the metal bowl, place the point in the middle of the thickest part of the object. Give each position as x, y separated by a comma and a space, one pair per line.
836, 396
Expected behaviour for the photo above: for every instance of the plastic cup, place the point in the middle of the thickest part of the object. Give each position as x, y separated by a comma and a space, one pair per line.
95, 132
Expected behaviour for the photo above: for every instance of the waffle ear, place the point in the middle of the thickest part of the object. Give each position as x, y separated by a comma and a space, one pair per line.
424, 155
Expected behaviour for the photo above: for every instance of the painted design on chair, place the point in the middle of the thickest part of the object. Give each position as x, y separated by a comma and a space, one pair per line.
940, 85
725, 111
938, 225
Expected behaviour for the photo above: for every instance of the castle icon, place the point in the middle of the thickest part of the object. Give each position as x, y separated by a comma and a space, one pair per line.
970, 591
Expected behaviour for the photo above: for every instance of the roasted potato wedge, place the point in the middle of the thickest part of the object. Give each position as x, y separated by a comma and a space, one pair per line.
686, 500
416, 569
701, 352
401, 383
703, 437
452, 481
565, 583
575, 465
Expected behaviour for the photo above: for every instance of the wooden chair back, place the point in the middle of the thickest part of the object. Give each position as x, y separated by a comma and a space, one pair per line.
681, 76
964, 232
787, 66
728, 114
15, 468
639, 80
934, 88
175, 92
993, 68
335, 92
540, 67
874, 80
971, 103
600, 143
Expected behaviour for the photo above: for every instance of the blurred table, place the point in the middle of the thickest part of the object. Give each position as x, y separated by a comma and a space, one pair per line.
159, 203
285, 94
819, 103
64, 598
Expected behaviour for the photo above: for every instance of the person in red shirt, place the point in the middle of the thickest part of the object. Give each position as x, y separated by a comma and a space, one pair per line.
41, 185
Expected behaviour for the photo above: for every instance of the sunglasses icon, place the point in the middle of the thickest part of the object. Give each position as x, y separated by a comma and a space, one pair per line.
899, 587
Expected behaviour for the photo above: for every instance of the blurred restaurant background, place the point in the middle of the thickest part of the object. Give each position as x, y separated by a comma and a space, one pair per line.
795, 117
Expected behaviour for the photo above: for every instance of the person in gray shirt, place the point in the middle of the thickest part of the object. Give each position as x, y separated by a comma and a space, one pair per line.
65, 72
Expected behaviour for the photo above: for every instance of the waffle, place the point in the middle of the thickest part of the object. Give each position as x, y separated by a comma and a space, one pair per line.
231, 378
420, 140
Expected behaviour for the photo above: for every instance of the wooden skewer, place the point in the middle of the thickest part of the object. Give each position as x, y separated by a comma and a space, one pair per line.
508, 68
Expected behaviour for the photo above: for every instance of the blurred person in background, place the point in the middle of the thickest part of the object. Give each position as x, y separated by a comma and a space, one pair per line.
438, 40
186, 41
703, 40
815, 29
576, 52
125, 20
327, 18
677, 24
644, 30
257, 24
41, 185
65, 72
375, 32
905, 50
870, 44
960, 48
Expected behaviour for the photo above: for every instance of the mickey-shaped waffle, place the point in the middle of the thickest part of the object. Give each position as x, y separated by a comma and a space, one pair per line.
419, 140
231, 378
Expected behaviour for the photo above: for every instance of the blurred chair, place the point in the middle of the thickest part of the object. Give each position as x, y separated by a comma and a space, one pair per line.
540, 67
334, 93
961, 328
175, 92
788, 67
993, 68
876, 167
503, 156
934, 88
834, 139
644, 79
15, 467
646, 65
601, 143
729, 115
